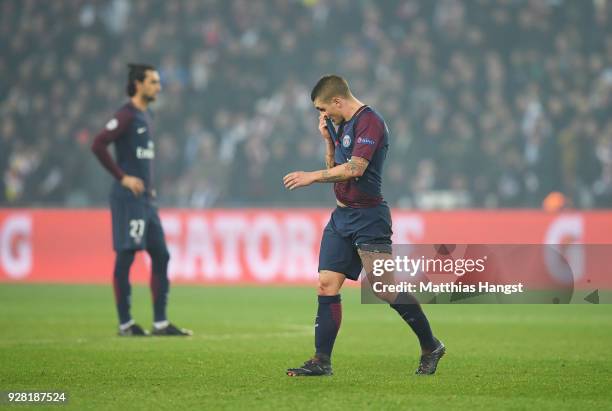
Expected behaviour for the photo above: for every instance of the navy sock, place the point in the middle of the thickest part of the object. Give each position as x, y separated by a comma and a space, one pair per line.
121, 284
410, 311
160, 285
329, 317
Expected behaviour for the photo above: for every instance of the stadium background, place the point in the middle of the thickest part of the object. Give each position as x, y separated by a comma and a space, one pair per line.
490, 103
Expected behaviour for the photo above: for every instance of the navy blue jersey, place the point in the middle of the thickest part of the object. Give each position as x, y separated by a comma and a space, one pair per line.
130, 131
365, 135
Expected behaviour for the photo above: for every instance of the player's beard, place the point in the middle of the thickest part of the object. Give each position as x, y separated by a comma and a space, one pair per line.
149, 99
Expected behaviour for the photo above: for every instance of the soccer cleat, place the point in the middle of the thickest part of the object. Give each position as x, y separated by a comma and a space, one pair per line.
311, 368
133, 330
171, 330
429, 362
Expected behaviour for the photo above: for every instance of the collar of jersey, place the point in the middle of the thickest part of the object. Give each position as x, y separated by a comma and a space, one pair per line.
359, 110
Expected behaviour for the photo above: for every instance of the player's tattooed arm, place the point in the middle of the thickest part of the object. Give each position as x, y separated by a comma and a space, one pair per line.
329, 161
330, 151
354, 168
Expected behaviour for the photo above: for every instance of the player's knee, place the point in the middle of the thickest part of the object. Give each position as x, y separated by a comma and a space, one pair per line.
165, 255
126, 256
327, 286
160, 255
386, 297
123, 262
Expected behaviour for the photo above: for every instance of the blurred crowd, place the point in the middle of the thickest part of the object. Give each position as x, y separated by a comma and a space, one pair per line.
489, 103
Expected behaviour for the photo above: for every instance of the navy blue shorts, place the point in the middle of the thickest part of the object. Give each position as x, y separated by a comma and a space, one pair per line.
136, 223
349, 229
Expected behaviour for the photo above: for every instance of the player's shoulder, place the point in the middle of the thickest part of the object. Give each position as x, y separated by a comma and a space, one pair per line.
126, 110
125, 114
372, 113
123, 117
370, 117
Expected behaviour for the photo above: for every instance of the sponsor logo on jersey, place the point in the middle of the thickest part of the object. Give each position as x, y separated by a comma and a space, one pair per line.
147, 153
346, 140
141, 130
365, 140
112, 124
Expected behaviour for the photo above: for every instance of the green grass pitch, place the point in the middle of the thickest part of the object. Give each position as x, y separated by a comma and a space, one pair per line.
60, 337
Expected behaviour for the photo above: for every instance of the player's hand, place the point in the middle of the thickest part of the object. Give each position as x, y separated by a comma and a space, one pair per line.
134, 184
323, 128
298, 179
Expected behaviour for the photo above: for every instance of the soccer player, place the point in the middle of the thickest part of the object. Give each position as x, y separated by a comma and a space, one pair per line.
136, 223
359, 230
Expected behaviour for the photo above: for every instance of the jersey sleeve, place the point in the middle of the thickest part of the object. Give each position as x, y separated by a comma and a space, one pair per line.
369, 132
114, 129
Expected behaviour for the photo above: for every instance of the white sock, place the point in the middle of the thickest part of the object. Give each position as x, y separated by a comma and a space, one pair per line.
160, 324
126, 325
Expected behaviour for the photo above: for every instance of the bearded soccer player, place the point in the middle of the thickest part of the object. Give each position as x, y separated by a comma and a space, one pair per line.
359, 230
136, 223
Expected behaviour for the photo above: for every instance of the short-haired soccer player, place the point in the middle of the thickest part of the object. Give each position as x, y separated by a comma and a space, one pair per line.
135, 219
359, 230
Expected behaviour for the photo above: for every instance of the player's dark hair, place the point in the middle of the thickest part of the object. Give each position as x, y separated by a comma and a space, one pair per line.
137, 72
330, 86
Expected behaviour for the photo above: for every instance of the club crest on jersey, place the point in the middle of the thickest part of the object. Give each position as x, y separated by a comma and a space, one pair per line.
147, 153
346, 140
